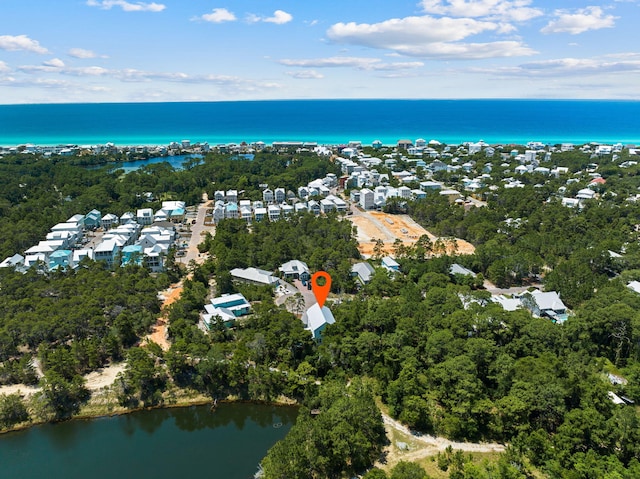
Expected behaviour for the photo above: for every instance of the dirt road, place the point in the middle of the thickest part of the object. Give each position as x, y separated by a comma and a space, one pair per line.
418, 447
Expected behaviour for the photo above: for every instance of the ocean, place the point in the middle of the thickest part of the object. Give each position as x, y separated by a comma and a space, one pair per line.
323, 121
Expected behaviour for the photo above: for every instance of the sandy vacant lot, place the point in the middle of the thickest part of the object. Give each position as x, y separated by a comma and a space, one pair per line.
96, 380
374, 225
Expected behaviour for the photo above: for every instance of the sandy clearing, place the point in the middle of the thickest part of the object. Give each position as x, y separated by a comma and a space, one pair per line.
159, 332
375, 225
96, 380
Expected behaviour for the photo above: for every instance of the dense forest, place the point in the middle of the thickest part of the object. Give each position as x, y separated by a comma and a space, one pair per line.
432, 348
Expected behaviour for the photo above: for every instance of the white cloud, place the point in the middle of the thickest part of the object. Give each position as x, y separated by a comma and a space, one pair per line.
306, 75
127, 6
81, 53
4, 67
570, 67
279, 17
360, 63
21, 42
505, 10
218, 15
428, 37
584, 19
54, 63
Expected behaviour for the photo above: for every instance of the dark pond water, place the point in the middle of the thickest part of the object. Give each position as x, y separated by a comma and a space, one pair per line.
163, 443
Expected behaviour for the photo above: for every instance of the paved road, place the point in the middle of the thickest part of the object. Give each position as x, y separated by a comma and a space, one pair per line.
197, 234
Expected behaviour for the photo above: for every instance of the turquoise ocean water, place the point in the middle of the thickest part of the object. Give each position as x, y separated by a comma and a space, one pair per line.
323, 121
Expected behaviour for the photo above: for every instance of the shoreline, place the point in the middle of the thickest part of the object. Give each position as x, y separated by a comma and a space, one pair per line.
183, 402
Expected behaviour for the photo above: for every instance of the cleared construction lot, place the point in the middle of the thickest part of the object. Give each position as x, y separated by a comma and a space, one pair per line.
374, 225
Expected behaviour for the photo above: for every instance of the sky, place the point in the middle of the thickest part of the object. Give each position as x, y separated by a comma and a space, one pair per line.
70, 51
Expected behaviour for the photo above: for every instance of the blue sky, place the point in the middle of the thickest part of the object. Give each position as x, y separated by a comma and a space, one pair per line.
177, 50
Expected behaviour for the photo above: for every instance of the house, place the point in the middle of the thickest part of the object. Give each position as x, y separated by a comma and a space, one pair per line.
235, 303
62, 258
274, 212
232, 196
80, 254
508, 304
267, 196
16, 261
286, 210
390, 264
367, 200
455, 268
452, 195
109, 220
326, 205
363, 272
295, 269
127, 218
154, 258
260, 213
634, 286
78, 221
231, 210
586, 194
280, 195
144, 216
313, 207
316, 320
218, 212
132, 254
93, 219
226, 307
106, 251
546, 304
246, 213
254, 276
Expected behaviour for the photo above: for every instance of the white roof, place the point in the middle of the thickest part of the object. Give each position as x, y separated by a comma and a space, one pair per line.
634, 286
14, 260
508, 304
294, 267
106, 246
315, 317
548, 300
254, 274
228, 298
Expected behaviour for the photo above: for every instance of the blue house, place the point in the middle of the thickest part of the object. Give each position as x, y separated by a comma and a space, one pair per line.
132, 254
93, 220
61, 258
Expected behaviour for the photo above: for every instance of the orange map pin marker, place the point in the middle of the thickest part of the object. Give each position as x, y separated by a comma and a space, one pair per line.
321, 291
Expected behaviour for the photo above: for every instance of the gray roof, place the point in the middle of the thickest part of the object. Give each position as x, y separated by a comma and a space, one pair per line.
364, 270
255, 275
294, 267
459, 269
548, 301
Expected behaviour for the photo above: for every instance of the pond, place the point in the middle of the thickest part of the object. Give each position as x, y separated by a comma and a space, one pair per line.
227, 442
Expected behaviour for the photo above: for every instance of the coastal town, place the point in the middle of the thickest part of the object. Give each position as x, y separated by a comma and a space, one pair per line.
393, 215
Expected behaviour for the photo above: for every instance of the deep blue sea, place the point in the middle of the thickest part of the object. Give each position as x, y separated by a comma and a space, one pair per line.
323, 121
